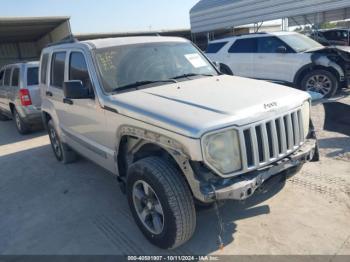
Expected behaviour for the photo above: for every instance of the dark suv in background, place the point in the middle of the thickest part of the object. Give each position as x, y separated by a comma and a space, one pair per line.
332, 37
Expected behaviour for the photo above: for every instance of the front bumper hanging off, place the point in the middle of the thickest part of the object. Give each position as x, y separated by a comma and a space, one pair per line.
243, 187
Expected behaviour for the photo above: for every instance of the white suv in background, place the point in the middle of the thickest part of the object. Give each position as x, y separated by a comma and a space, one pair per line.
284, 57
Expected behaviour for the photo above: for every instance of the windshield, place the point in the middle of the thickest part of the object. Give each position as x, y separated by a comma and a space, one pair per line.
300, 43
123, 66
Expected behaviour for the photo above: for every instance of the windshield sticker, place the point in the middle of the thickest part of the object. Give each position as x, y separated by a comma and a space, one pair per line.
196, 60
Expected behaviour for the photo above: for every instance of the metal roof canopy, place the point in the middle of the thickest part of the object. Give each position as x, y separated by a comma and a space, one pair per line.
19, 29
211, 15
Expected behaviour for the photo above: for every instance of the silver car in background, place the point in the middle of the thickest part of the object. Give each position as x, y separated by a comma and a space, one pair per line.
20, 96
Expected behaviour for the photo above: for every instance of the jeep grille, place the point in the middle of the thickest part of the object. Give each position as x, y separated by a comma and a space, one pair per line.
265, 142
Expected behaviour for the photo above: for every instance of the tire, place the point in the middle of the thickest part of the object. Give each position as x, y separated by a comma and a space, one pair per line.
22, 127
225, 70
326, 83
62, 152
170, 193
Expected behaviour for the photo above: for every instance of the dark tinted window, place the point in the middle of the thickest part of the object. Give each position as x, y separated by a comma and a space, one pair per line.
270, 44
33, 76
243, 46
78, 69
57, 69
215, 47
336, 35
15, 77
2, 77
44, 62
7, 77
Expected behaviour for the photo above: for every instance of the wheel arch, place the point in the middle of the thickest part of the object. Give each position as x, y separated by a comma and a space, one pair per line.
309, 68
136, 143
46, 117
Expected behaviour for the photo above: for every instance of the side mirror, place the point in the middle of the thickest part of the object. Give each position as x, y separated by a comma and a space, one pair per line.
217, 65
281, 49
74, 89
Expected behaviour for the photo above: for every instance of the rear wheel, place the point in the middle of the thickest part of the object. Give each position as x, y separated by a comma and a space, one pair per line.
62, 152
320, 81
22, 127
161, 202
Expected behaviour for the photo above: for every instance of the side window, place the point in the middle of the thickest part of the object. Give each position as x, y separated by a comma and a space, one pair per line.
270, 44
215, 47
7, 77
15, 77
244, 46
78, 69
2, 72
57, 69
44, 62
32, 76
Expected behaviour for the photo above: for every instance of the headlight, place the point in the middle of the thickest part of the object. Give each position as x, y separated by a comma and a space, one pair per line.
222, 151
305, 110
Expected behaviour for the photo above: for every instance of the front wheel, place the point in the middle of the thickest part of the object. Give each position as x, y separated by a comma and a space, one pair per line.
161, 202
320, 81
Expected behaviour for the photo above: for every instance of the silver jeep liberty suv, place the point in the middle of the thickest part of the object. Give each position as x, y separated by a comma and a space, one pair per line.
157, 114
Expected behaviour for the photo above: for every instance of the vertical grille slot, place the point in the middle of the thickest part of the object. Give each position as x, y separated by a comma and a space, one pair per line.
260, 143
289, 131
270, 138
249, 148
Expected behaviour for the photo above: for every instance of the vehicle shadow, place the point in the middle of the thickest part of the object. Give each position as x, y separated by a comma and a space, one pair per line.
340, 145
9, 133
337, 117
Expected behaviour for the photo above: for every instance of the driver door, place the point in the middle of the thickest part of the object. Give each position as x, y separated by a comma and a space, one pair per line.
84, 124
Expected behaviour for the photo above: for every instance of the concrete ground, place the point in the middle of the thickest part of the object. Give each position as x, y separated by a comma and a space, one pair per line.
50, 208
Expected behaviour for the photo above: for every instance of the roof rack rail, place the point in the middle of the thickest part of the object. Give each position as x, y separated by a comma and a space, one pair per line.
243, 34
67, 40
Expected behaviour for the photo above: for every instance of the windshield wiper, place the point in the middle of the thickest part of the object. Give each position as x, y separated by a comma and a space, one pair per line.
137, 84
189, 75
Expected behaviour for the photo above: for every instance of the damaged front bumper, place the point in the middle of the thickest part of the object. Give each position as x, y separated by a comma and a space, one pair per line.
244, 186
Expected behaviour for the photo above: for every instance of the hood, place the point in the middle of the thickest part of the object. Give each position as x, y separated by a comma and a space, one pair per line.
194, 107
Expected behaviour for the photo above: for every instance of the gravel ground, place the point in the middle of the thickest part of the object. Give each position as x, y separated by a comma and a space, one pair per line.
49, 208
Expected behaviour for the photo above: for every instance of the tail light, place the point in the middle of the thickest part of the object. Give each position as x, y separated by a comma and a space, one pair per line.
25, 97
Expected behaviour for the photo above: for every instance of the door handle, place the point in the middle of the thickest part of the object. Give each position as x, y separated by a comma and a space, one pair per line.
48, 93
68, 101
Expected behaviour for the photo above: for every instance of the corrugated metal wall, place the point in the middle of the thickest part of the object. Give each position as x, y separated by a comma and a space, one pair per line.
211, 15
318, 18
15, 52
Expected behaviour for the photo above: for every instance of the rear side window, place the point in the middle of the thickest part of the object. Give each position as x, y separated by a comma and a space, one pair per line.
248, 45
78, 69
57, 69
43, 65
7, 77
15, 77
215, 47
32, 76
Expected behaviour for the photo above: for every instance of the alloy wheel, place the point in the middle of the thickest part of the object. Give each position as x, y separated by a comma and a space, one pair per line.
55, 142
320, 84
148, 207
